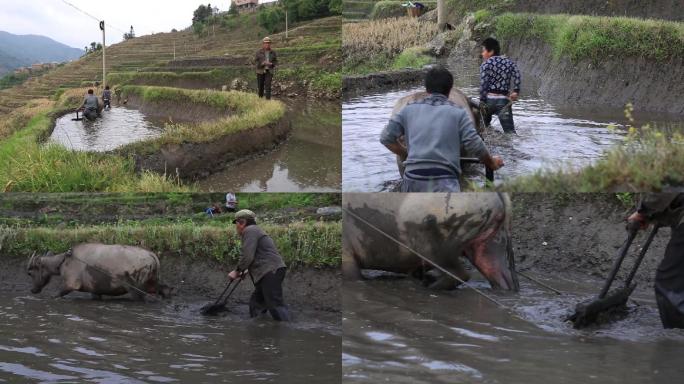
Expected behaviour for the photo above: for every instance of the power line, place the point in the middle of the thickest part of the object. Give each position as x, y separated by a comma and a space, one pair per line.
91, 16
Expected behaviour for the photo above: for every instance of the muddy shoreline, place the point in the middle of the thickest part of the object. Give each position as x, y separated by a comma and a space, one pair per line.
196, 278
374, 82
579, 234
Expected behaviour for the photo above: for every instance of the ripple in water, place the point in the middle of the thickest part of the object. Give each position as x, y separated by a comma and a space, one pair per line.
545, 138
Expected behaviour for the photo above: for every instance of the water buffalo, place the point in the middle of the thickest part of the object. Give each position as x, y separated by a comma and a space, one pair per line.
100, 269
456, 96
440, 226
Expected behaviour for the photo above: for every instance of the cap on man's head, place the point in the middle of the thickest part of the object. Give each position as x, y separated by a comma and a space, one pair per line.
266, 39
244, 214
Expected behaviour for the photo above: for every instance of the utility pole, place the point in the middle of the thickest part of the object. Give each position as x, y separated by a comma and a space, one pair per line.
441, 15
174, 49
104, 71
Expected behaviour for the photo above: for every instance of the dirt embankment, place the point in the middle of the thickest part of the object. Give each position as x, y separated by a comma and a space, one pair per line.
192, 161
610, 82
195, 278
579, 233
355, 85
656, 9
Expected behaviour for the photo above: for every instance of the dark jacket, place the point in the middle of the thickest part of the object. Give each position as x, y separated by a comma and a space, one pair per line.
665, 208
259, 253
261, 57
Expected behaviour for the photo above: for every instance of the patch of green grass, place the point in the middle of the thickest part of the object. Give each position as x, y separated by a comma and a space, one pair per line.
301, 244
249, 111
649, 160
414, 57
597, 38
215, 77
483, 15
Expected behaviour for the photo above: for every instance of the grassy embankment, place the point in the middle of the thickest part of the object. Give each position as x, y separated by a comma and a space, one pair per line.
249, 111
28, 165
76, 209
303, 243
596, 38
379, 45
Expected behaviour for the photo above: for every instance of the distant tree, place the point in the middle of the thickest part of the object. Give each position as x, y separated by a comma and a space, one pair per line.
335, 7
202, 13
233, 9
129, 35
271, 18
174, 30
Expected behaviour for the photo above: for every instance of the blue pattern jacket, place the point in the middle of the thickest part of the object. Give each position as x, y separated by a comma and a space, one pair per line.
495, 76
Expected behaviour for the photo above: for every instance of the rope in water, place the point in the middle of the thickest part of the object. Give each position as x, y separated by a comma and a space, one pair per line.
550, 288
493, 300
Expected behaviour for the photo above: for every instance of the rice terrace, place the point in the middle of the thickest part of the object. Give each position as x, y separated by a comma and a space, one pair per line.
184, 113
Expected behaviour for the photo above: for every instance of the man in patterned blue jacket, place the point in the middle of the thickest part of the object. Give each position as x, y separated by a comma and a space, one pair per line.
496, 74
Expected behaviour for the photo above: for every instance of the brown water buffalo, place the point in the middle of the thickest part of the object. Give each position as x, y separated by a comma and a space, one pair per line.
456, 96
100, 269
440, 226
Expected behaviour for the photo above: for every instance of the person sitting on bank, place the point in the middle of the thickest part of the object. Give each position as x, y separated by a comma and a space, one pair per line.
261, 260
107, 97
231, 202
496, 73
91, 106
435, 129
266, 61
667, 209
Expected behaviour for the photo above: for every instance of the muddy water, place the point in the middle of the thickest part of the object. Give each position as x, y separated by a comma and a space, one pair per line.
119, 341
400, 332
546, 136
308, 161
117, 127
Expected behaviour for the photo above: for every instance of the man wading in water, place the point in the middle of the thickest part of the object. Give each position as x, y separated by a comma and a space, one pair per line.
435, 129
667, 209
261, 260
91, 106
266, 61
496, 73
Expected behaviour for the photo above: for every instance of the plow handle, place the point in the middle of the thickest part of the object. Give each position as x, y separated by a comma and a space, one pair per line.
633, 229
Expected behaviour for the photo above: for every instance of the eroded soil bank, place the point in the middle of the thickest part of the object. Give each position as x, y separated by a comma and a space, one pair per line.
192, 161
602, 82
579, 233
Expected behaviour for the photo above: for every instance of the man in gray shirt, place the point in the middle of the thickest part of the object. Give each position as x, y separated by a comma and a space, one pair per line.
91, 106
435, 129
261, 260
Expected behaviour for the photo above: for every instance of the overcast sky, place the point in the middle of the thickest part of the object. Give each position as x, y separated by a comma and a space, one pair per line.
61, 22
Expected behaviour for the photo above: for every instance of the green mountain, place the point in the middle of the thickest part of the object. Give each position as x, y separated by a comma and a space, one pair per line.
23, 50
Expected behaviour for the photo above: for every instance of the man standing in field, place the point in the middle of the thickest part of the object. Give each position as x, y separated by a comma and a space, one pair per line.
265, 61
435, 130
496, 74
667, 209
261, 260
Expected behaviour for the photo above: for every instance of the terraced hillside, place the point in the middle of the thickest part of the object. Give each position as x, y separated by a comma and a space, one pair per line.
311, 45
